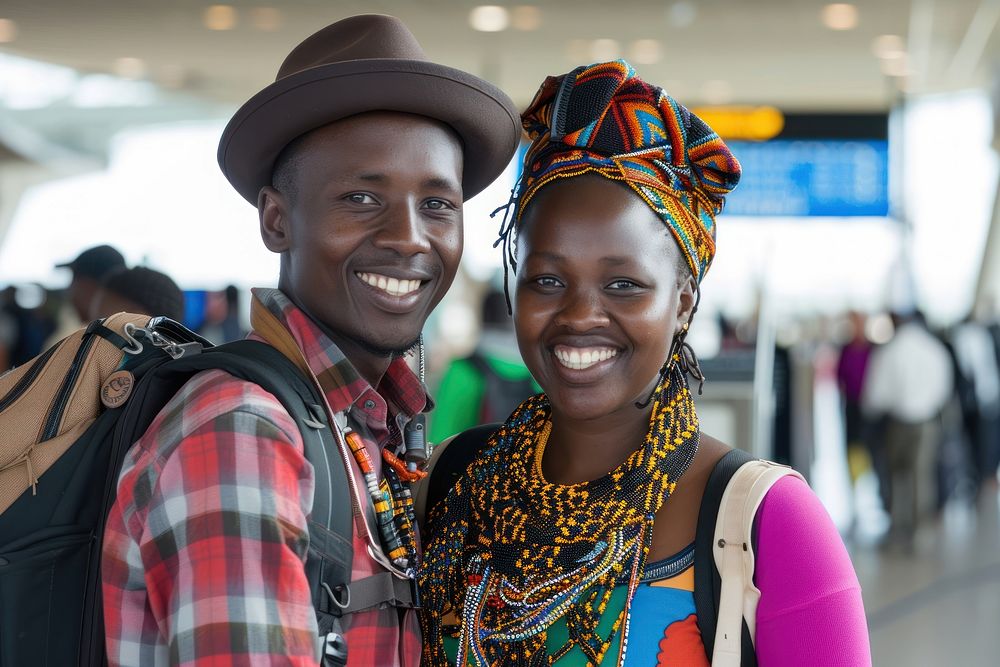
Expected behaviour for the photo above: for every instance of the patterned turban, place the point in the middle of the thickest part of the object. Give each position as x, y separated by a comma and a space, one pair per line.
604, 119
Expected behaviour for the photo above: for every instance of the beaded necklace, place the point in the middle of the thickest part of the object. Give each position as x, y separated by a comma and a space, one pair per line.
509, 553
392, 501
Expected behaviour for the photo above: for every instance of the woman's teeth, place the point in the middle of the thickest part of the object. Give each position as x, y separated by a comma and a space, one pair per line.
580, 358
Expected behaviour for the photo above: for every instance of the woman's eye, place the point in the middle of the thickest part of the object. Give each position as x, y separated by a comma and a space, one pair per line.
623, 284
547, 281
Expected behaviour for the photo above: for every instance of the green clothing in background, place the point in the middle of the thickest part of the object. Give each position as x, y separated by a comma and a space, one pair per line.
459, 398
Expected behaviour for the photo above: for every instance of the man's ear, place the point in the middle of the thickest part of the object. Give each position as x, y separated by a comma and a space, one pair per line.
273, 211
686, 300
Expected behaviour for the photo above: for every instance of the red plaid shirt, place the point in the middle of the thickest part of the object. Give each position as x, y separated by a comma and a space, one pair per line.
204, 547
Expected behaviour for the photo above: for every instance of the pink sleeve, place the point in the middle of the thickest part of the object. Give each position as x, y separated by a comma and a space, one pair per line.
810, 610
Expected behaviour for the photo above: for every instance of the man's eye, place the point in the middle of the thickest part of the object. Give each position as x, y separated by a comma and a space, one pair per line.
439, 204
360, 198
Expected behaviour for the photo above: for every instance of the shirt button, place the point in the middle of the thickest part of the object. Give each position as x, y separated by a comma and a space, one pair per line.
369, 404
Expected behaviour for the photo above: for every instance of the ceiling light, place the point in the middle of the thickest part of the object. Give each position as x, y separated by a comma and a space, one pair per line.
840, 16
489, 18
219, 17
605, 49
267, 19
129, 68
681, 14
646, 51
526, 17
889, 47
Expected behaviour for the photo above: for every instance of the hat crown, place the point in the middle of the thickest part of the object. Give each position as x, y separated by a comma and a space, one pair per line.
364, 37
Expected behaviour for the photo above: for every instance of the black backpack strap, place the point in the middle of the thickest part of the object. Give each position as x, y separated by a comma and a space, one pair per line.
331, 530
707, 582
453, 461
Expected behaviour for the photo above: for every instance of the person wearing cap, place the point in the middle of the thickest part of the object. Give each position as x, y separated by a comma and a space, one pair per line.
89, 268
569, 540
358, 159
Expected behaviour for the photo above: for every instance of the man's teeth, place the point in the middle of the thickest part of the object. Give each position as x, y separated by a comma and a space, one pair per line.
580, 358
392, 286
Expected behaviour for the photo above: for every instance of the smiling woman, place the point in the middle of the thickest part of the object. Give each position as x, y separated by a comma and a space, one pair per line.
597, 295
570, 538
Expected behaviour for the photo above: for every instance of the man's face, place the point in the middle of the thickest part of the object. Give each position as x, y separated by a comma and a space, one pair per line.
81, 294
372, 236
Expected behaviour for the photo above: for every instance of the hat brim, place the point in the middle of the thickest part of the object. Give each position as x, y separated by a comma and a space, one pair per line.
481, 114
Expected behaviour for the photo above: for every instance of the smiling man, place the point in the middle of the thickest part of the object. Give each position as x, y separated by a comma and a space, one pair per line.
358, 158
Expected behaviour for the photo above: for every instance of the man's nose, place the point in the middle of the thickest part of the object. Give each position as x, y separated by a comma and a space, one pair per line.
404, 231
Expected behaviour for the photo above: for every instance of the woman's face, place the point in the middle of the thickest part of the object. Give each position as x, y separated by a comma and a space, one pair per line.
598, 297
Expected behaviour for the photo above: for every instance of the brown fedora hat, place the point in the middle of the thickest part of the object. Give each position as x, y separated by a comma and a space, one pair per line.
367, 63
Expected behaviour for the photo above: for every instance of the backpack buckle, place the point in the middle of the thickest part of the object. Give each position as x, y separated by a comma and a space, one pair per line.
334, 650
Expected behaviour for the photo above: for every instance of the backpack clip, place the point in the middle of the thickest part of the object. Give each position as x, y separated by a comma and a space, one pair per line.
334, 647
415, 442
174, 349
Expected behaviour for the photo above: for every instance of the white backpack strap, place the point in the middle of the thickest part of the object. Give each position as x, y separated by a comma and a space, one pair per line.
734, 557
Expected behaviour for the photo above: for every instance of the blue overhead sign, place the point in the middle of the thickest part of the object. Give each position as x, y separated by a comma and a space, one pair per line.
805, 177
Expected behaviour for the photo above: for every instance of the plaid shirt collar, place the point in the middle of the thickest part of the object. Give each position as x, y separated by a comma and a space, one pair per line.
399, 390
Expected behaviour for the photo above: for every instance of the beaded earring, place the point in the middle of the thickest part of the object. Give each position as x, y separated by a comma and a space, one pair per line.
683, 353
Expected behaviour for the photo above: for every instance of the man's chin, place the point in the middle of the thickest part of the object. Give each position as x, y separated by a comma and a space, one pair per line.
387, 349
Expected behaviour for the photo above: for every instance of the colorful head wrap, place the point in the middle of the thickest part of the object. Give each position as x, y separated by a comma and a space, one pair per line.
604, 119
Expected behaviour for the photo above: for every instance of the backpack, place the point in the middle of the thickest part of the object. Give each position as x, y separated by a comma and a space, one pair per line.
500, 394
69, 417
726, 510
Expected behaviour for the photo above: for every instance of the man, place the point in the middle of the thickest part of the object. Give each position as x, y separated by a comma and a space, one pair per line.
358, 158
89, 268
909, 381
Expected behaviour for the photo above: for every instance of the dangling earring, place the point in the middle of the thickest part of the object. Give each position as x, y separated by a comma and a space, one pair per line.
687, 360
664, 369
675, 354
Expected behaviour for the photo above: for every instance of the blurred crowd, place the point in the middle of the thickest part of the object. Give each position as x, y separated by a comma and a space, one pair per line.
100, 283
921, 410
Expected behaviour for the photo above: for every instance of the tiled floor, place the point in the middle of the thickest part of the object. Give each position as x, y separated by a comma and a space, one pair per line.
938, 604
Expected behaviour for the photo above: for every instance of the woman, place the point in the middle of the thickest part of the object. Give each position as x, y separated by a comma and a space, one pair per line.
569, 540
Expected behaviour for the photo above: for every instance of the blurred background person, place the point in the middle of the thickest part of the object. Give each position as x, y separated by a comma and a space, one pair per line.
485, 386
89, 269
223, 315
138, 290
909, 381
978, 371
863, 452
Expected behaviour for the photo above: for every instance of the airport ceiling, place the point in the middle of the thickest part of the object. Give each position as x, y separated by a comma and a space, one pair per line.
776, 52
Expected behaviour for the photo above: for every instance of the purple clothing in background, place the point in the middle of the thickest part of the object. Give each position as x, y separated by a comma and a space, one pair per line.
810, 610
851, 369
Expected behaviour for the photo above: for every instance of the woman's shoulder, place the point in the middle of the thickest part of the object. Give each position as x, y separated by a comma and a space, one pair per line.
674, 527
